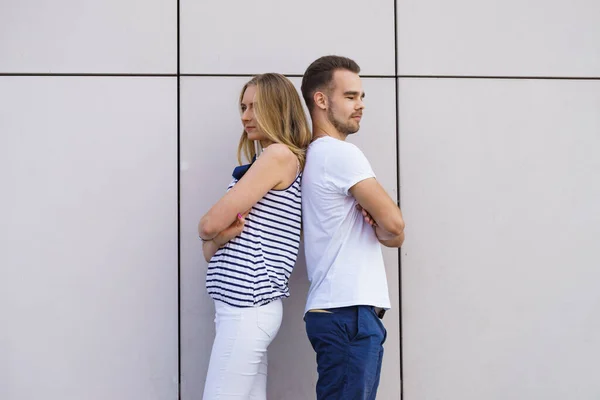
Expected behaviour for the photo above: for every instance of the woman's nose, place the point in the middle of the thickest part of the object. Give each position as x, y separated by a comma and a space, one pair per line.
246, 115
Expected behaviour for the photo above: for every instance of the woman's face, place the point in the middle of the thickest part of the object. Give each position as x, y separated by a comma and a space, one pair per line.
248, 116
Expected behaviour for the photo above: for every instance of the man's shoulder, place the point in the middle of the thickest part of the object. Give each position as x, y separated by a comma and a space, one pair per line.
334, 148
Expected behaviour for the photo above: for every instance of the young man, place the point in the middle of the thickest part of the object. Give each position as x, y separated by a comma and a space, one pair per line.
346, 216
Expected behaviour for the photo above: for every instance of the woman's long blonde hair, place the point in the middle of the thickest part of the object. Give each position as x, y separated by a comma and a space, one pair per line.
279, 115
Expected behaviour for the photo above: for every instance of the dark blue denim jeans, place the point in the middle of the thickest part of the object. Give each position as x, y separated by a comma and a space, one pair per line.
349, 346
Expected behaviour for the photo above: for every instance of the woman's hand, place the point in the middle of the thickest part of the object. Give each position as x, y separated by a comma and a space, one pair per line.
210, 247
232, 230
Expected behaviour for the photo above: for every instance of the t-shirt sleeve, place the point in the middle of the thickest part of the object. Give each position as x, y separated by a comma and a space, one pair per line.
347, 167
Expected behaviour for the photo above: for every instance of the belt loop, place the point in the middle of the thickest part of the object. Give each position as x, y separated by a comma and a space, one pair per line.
380, 312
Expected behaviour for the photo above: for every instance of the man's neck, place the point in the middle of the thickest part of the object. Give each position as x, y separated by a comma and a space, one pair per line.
322, 130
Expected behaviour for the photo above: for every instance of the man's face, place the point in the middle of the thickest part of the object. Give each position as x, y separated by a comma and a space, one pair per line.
345, 102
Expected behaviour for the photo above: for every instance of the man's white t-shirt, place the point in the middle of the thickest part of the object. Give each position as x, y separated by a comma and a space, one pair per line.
343, 256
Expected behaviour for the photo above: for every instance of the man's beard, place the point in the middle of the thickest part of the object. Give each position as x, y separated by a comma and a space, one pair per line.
346, 128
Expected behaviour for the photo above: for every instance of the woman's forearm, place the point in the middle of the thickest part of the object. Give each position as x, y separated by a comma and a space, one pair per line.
209, 248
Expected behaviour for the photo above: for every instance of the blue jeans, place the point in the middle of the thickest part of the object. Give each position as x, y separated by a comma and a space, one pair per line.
349, 346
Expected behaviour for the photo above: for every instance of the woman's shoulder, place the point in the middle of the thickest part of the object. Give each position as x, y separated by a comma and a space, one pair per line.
279, 153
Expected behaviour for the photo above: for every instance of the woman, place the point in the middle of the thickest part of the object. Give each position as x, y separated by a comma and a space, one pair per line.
251, 238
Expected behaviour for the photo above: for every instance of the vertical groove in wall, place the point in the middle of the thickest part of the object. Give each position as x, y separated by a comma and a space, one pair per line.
398, 194
178, 216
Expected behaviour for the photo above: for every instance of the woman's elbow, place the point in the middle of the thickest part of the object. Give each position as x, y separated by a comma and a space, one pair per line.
205, 230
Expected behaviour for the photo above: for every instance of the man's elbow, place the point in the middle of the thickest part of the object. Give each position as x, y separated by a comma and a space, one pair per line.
395, 226
395, 242
400, 240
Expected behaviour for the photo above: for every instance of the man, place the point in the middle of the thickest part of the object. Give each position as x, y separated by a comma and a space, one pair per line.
346, 216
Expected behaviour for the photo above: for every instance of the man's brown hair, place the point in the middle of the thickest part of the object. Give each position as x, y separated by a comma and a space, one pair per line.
319, 75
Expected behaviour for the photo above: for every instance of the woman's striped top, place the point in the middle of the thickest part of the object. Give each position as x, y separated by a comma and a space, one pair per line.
253, 268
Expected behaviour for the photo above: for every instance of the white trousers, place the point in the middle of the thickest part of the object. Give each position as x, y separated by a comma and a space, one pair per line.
238, 361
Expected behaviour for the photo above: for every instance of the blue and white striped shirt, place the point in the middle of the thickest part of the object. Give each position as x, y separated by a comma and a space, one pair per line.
253, 268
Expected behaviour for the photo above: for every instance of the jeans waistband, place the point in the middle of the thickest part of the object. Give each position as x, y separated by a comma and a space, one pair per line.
380, 312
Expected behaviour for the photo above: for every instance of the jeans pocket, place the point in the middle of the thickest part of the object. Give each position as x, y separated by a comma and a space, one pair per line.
352, 324
379, 323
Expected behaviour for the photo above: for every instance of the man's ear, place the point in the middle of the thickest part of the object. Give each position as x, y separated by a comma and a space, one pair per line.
320, 100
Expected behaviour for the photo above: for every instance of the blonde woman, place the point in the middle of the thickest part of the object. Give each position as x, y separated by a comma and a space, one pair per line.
251, 238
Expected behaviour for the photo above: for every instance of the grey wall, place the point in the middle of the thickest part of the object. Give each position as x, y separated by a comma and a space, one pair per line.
499, 185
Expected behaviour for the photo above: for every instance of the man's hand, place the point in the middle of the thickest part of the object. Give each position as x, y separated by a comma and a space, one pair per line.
368, 218
385, 238
379, 205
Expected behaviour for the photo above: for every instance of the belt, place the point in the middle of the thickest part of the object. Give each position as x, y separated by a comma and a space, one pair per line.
380, 312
